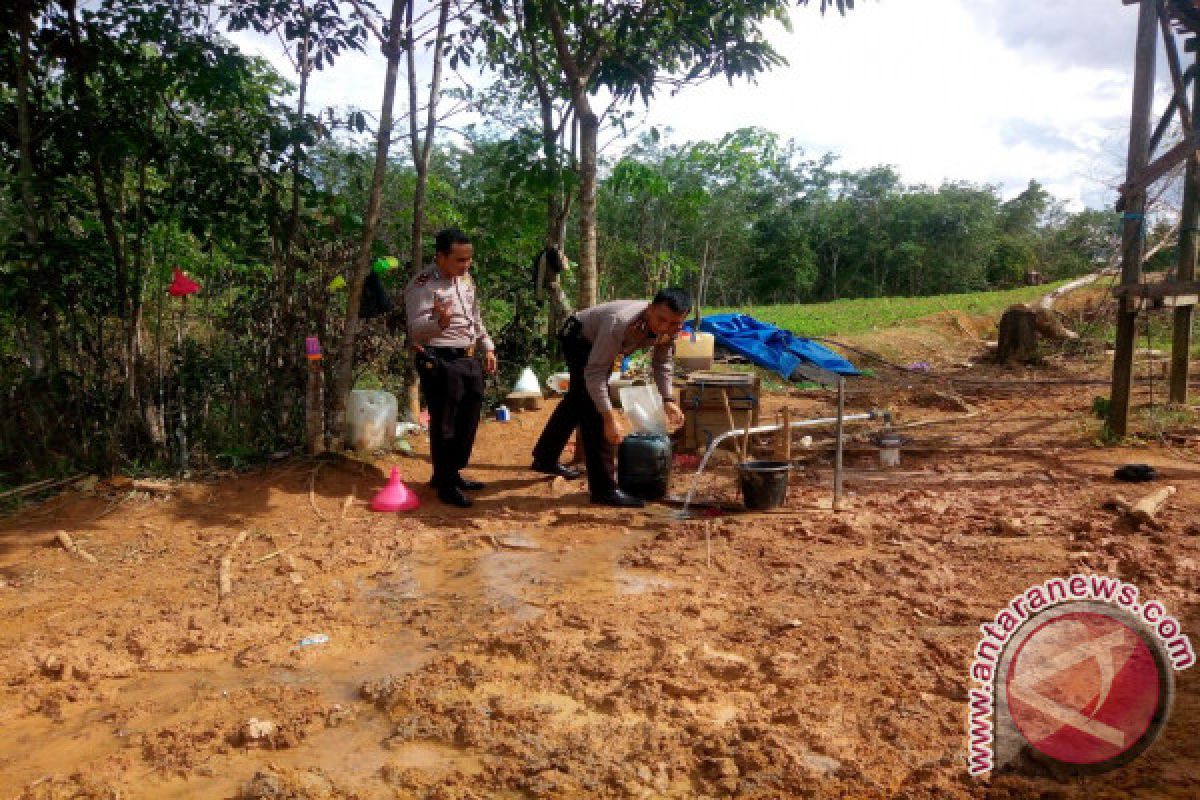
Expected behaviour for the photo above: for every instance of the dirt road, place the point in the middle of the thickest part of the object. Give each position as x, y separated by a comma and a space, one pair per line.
535, 646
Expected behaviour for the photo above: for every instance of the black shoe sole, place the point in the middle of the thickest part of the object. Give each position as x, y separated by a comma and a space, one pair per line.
467, 486
613, 504
566, 473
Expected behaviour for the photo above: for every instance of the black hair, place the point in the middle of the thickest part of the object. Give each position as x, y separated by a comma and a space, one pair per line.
676, 299
448, 237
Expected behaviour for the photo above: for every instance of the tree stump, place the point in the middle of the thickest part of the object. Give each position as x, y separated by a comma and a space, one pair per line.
1018, 335
1050, 326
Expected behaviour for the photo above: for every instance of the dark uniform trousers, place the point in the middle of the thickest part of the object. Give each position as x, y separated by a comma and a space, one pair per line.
453, 385
576, 409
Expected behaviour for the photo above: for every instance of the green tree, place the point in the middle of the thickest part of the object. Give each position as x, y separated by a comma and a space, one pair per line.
630, 50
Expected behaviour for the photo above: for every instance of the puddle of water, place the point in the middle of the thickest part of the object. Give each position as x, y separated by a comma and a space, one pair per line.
436, 757
34, 746
352, 751
517, 541
631, 581
514, 578
505, 575
339, 675
399, 587
350, 757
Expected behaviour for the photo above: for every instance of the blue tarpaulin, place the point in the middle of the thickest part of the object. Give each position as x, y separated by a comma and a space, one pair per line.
771, 347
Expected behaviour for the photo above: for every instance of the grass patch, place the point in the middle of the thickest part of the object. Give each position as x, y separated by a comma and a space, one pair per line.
867, 314
1161, 332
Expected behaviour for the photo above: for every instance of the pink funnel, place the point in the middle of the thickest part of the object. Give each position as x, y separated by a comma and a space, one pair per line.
395, 496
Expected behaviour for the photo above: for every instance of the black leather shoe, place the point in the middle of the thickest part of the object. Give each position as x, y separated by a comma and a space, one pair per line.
454, 497
558, 470
619, 499
468, 485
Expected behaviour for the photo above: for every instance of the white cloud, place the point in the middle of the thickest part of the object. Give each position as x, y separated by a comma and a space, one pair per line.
943, 90
987, 91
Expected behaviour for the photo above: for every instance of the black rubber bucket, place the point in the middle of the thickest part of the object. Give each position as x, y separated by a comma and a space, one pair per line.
764, 484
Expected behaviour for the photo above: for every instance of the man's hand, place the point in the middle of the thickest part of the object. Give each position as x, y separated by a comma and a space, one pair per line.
613, 430
441, 312
674, 414
489, 362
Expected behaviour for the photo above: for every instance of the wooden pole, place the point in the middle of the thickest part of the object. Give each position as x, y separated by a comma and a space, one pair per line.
181, 431
1133, 219
777, 442
314, 408
1189, 219
787, 434
728, 412
746, 438
840, 438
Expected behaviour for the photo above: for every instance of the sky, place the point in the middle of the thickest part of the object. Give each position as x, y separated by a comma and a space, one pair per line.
986, 91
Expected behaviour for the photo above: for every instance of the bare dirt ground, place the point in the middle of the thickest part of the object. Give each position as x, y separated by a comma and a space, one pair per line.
537, 647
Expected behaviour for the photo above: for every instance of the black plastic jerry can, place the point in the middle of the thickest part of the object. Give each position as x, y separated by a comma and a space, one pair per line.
644, 465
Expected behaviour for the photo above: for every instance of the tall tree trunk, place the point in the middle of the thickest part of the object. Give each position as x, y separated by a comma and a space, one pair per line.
421, 150
76, 66
25, 133
133, 321
558, 200
589, 129
343, 380
578, 77
285, 341
103, 204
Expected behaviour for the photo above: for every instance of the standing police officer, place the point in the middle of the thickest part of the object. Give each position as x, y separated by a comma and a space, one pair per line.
592, 340
445, 327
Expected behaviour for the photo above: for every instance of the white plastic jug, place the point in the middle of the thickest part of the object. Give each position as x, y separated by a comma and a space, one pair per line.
694, 354
371, 419
643, 407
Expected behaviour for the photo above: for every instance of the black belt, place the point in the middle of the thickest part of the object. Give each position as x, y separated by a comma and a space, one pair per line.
448, 353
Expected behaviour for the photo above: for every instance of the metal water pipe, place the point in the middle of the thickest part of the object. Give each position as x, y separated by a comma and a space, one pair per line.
803, 423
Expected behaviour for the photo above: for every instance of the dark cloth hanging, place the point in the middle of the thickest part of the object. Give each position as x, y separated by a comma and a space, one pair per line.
375, 300
547, 264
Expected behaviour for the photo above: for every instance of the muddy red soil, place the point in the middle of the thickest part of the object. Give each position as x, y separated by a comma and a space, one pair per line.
535, 646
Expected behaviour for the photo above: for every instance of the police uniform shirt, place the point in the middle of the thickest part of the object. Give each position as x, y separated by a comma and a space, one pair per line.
615, 330
466, 323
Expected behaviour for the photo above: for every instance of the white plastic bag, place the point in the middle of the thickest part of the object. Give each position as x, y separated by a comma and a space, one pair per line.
371, 419
644, 408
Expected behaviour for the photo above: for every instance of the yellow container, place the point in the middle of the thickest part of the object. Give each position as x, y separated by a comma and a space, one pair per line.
694, 351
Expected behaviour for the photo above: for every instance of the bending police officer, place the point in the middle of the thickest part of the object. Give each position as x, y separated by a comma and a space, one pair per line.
592, 340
